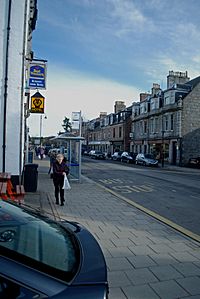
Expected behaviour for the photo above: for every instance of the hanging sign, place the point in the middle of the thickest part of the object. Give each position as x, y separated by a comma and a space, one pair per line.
37, 103
37, 75
75, 123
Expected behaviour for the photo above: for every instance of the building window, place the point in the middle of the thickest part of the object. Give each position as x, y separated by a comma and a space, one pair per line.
152, 104
156, 125
151, 125
120, 132
166, 123
113, 132
141, 127
145, 126
167, 100
172, 122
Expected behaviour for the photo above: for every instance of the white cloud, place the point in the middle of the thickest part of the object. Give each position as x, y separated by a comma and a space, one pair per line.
130, 18
69, 92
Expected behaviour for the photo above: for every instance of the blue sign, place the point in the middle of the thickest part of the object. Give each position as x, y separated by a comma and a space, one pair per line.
37, 71
37, 75
36, 83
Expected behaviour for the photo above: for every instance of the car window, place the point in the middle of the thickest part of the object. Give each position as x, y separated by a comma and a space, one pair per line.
149, 156
38, 243
125, 153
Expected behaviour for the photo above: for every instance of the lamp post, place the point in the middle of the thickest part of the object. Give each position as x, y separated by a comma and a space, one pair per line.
45, 117
162, 149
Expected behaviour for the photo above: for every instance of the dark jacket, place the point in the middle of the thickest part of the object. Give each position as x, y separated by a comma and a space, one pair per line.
58, 169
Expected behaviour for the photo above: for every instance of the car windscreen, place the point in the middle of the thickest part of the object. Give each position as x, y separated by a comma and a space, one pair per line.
38, 242
149, 156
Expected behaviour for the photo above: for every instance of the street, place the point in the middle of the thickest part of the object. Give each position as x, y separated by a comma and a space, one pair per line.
172, 194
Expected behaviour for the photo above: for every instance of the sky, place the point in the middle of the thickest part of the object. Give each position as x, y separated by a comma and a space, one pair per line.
102, 51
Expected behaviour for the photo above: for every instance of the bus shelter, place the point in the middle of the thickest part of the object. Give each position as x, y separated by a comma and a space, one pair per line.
70, 146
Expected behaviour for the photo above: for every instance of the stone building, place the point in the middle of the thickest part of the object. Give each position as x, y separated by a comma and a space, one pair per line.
167, 122
190, 122
109, 133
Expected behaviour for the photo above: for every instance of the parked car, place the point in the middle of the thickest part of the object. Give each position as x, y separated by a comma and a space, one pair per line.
42, 258
86, 152
116, 156
91, 152
146, 160
194, 162
98, 155
128, 157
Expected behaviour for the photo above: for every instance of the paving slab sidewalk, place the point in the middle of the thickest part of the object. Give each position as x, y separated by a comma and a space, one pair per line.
145, 258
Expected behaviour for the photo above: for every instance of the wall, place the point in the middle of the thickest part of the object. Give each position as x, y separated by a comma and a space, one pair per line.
14, 111
191, 125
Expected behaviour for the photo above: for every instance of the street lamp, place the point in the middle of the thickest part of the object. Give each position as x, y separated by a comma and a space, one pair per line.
162, 149
45, 117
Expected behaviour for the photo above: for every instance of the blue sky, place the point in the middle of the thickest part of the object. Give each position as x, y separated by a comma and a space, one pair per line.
100, 51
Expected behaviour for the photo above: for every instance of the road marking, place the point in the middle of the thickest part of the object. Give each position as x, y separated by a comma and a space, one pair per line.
126, 188
111, 181
164, 220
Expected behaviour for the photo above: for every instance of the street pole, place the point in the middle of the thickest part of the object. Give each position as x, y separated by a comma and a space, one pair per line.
80, 132
162, 160
40, 130
162, 151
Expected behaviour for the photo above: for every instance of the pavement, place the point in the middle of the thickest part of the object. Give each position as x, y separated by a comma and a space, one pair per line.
146, 259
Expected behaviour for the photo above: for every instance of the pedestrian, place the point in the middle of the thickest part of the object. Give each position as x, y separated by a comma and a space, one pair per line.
42, 155
59, 170
52, 160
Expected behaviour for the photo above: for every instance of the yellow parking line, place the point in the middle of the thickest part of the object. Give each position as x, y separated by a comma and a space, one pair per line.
177, 227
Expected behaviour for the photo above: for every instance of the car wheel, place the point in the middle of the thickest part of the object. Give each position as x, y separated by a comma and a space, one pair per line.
127, 161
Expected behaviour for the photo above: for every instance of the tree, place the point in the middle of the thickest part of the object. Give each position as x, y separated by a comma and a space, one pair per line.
66, 125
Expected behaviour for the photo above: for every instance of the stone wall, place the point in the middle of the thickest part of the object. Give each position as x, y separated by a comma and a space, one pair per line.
191, 125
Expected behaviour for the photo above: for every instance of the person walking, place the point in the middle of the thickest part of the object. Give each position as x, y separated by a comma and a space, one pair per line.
52, 160
59, 170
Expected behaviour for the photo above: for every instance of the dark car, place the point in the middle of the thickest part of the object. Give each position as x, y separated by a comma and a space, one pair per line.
97, 155
42, 258
116, 156
146, 160
194, 162
128, 157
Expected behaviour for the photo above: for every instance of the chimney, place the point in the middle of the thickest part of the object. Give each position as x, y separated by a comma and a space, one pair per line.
102, 114
143, 96
119, 106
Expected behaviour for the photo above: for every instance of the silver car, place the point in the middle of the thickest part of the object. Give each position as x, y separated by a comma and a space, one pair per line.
146, 160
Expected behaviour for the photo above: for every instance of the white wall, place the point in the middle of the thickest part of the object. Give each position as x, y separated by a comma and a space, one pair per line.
14, 98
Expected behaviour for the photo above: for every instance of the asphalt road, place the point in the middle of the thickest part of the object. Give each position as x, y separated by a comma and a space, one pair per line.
172, 194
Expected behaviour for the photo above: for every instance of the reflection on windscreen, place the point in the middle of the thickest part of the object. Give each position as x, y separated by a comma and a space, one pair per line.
45, 242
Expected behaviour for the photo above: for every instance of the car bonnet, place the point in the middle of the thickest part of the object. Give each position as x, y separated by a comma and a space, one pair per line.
92, 265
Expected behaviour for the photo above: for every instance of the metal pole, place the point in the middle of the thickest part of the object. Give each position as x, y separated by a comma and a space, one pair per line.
27, 142
162, 149
23, 137
162, 157
40, 130
6, 86
80, 127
